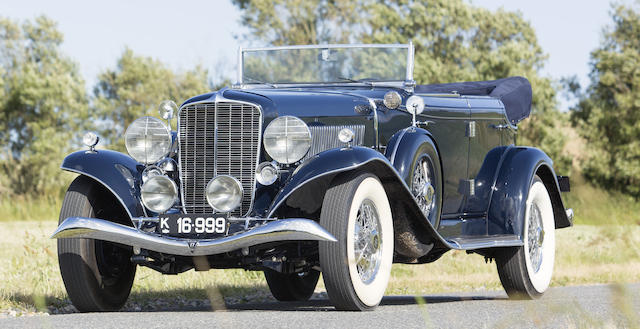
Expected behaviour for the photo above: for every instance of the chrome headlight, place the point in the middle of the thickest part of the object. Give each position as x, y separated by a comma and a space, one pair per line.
147, 140
159, 193
224, 193
287, 139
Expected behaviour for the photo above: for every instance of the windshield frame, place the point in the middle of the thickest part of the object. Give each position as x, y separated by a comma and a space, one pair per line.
407, 83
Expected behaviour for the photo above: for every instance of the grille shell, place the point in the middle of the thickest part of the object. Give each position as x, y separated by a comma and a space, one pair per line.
218, 138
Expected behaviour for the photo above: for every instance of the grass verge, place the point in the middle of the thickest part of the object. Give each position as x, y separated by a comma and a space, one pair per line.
31, 281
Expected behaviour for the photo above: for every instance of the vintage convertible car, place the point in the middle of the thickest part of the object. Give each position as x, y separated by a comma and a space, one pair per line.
324, 158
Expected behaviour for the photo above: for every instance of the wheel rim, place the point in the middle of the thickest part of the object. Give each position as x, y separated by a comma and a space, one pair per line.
535, 237
422, 186
367, 241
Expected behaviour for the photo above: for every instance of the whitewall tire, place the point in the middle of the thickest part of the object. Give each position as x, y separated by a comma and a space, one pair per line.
357, 267
525, 272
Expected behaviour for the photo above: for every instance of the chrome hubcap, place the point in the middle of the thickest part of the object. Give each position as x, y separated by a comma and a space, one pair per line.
535, 237
368, 241
422, 187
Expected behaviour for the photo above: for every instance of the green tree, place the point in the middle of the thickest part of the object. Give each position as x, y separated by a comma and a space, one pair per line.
43, 106
608, 112
135, 88
454, 41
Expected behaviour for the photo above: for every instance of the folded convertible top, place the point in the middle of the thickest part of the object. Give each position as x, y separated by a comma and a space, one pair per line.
514, 92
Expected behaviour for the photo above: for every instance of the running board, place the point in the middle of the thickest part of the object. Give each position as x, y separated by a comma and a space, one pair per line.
471, 243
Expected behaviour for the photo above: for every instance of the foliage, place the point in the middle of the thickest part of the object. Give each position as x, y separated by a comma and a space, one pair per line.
135, 87
299, 22
608, 113
454, 41
43, 104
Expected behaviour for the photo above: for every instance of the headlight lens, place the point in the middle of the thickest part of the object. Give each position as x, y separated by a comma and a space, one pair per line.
287, 139
148, 140
224, 193
159, 193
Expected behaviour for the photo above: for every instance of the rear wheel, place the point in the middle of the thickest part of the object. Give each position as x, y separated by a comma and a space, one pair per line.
357, 267
292, 287
97, 275
525, 272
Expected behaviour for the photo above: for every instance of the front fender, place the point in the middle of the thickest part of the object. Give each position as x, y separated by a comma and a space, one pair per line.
327, 163
507, 204
117, 172
309, 182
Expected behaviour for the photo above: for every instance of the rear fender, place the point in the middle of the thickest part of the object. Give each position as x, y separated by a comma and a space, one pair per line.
507, 204
117, 172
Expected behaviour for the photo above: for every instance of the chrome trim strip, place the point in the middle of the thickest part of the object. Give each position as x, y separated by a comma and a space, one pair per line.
395, 147
376, 123
219, 97
294, 229
108, 188
333, 45
484, 244
410, 54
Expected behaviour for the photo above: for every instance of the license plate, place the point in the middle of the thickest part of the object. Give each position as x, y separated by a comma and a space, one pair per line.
192, 224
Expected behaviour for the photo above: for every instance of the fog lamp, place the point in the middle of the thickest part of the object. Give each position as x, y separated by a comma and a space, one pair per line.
266, 174
159, 193
224, 193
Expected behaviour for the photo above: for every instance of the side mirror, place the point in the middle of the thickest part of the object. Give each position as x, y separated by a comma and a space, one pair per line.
415, 105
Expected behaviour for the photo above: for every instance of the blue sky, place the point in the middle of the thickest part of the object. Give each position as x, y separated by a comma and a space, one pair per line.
184, 33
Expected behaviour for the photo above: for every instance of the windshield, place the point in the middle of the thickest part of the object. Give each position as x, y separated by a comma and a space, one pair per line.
326, 64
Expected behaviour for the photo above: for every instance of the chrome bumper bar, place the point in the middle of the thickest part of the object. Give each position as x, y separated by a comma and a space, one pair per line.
295, 229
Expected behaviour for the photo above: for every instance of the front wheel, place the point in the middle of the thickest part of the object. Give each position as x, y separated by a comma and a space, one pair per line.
98, 275
357, 267
525, 272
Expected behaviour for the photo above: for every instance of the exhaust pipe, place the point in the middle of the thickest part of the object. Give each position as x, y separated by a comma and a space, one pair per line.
293, 229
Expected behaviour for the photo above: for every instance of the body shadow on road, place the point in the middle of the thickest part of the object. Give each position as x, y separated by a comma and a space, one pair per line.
325, 304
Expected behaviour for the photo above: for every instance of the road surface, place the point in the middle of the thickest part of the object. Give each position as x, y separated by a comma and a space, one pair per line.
577, 307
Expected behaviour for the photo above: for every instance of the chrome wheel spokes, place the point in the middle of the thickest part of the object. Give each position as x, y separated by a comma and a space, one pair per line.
368, 241
535, 237
422, 186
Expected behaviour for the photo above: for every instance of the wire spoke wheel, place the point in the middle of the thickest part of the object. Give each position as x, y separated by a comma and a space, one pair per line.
422, 186
367, 241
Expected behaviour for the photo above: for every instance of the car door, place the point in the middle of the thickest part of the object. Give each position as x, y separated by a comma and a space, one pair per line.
447, 118
487, 121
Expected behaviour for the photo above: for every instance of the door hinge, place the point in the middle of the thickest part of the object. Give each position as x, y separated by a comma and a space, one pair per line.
471, 129
467, 187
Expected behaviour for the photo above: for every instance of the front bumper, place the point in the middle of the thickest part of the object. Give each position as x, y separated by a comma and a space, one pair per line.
293, 229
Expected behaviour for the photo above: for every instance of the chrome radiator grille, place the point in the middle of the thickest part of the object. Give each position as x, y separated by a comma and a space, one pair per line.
215, 139
326, 137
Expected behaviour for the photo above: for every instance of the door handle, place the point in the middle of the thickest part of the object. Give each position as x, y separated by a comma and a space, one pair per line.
504, 126
425, 122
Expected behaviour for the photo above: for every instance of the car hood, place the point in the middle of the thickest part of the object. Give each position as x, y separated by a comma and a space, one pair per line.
301, 102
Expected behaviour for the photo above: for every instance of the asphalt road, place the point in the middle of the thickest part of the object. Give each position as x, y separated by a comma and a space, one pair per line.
579, 306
